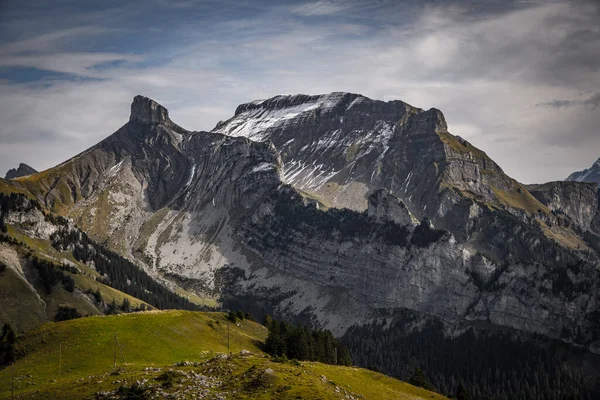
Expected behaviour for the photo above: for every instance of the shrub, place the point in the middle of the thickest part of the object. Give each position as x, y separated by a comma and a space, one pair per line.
66, 313
7, 340
98, 296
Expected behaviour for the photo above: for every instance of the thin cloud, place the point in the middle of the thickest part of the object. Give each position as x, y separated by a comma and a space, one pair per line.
323, 7
592, 102
486, 69
79, 64
53, 40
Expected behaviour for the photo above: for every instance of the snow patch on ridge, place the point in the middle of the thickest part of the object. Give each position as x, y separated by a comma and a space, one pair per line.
114, 169
264, 166
357, 100
254, 123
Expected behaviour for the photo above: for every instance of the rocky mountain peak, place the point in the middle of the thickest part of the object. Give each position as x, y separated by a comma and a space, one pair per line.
439, 121
22, 170
591, 174
302, 102
146, 110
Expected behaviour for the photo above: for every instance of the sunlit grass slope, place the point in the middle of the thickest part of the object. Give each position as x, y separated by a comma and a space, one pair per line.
149, 344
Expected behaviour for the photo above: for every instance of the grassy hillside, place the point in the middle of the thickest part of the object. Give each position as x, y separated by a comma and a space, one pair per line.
24, 303
149, 345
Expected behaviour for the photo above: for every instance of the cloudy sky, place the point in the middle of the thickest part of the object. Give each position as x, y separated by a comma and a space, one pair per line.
519, 79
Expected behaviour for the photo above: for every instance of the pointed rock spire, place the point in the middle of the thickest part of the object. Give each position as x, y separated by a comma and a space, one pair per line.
144, 109
23, 170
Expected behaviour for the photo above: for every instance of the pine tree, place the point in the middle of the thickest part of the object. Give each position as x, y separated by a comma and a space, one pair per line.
98, 296
112, 308
126, 306
69, 283
7, 340
274, 343
461, 393
232, 317
3, 227
268, 321
418, 379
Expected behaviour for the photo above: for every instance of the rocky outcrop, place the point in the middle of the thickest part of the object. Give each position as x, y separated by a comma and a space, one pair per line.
31, 222
375, 262
578, 201
384, 206
332, 145
148, 111
22, 170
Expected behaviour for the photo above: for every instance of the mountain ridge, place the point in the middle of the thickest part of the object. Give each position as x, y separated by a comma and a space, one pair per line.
157, 165
22, 170
591, 174
338, 137
337, 211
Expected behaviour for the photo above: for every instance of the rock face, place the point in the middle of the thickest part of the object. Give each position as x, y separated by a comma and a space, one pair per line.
25, 300
578, 201
383, 206
148, 111
342, 146
591, 174
124, 178
22, 170
307, 207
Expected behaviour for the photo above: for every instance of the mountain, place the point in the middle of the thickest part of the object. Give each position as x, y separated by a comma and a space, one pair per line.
341, 146
591, 174
494, 220
22, 170
364, 217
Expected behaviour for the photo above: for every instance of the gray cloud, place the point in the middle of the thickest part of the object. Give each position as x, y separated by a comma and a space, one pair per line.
593, 102
485, 66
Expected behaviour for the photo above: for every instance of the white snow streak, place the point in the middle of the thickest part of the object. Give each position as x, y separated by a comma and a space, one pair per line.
192, 173
254, 123
355, 101
264, 166
113, 171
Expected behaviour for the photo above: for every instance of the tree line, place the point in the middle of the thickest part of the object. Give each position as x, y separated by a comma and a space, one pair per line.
51, 274
303, 343
475, 364
117, 271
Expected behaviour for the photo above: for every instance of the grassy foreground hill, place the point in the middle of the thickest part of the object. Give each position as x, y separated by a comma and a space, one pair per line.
177, 354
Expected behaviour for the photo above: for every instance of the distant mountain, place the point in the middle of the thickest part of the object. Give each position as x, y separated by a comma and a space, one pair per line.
22, 170
341, 146
591, 174
365, 217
